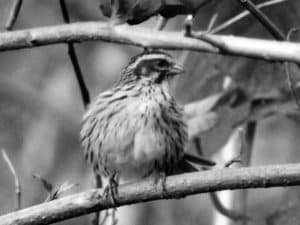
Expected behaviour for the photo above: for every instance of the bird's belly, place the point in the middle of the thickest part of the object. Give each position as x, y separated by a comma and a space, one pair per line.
140, 159
138, 140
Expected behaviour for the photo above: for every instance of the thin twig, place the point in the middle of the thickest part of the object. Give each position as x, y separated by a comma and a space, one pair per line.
114, 217
250, 132
231, 214
188, 22
16, 179
263, 19
53, 193
288, 73
105, 218
161, 23
247, 148
13, 15
277, 33
200, 160
212, 22
290, 82
233, 148
176, 187
72, 53
198, 145
242, 15
234, 161
187, 32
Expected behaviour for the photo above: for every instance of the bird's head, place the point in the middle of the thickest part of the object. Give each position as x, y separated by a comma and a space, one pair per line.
152, 67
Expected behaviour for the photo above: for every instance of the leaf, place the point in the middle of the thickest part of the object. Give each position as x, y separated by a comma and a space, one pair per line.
47, 185
201, 115
130, 11
60, 190
137, 11
201, 124
201, 107
232, 97
173, 8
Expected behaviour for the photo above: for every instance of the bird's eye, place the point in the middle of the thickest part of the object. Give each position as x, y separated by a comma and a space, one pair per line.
163, 63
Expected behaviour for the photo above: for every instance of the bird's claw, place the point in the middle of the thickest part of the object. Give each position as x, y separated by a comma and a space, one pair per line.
162, 178
111, 189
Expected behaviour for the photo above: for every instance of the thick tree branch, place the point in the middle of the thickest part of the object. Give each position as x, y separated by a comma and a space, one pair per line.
88, 31
176, 187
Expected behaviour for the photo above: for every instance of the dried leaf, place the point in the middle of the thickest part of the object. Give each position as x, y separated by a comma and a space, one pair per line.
66, 186
201, 123
202, 116
130, 11
137, 11
173, 8
60, 190
201, 107
47, 185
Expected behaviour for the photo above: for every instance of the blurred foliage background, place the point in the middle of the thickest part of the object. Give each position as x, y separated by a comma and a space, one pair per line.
41, 109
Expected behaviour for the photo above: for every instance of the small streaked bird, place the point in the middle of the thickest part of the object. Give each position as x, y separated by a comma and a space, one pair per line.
136, 129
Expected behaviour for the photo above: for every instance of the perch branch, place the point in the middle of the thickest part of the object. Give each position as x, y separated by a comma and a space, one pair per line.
16, 179
88, 31
178, 186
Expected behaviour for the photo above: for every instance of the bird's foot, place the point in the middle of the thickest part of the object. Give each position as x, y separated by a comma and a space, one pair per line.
111, 189
162, 178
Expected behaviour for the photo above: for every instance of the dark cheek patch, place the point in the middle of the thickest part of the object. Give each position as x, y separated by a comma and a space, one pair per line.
160, 78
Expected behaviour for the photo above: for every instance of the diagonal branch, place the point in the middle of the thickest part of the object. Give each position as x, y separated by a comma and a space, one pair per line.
88, 31
243, 14
178, 186
16, 179
288, 73
72, 53
13, 15
277, 34
263, 19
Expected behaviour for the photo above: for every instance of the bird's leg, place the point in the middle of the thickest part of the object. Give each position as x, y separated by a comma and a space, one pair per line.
111, 189
162, 178
161, 175
98, 184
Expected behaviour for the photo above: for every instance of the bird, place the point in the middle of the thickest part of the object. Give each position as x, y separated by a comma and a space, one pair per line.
136, 129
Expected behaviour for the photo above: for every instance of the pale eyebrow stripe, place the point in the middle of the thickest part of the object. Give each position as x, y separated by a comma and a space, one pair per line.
149, 57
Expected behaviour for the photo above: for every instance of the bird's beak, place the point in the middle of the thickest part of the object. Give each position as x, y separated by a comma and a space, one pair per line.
175, 70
